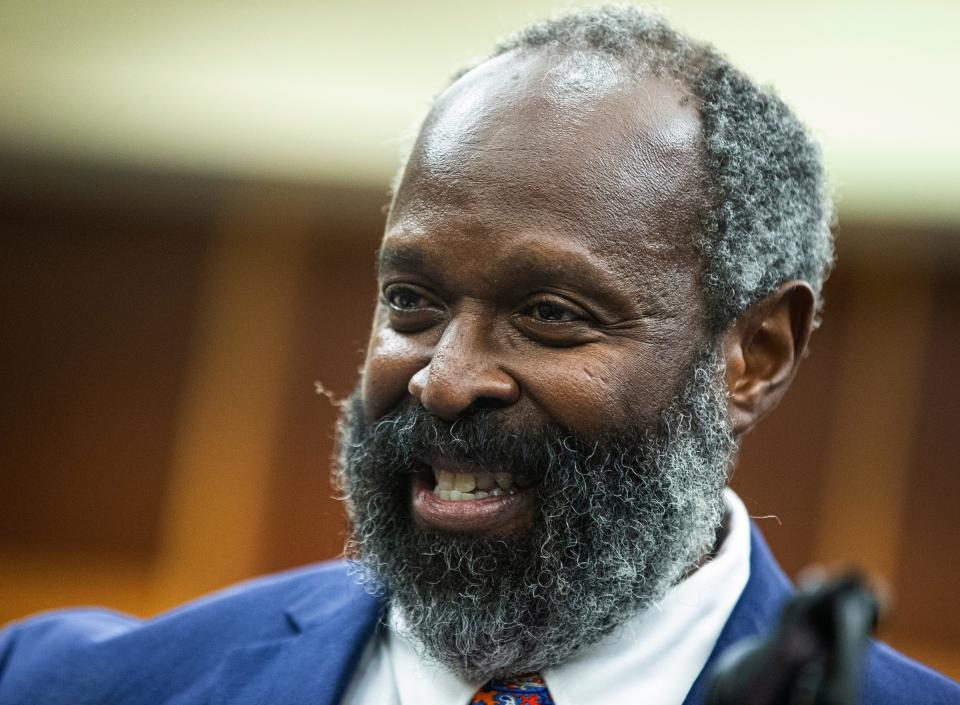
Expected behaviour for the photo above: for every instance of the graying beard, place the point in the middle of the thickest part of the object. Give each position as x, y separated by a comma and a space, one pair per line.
620, 521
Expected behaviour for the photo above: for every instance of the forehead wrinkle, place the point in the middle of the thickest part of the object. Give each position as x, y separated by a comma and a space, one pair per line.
610, 164
614, 199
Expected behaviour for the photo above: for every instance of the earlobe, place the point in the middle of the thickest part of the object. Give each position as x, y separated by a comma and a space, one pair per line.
762, 350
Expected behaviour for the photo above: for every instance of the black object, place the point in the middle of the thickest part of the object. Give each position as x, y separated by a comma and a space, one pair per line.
814, 656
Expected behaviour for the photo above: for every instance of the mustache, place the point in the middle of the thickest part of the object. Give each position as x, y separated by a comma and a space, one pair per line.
409, 437
378, 457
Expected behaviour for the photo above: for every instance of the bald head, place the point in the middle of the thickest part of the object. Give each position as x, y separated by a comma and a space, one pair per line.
566, 135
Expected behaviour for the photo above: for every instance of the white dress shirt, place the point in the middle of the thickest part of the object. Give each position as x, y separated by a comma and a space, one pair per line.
653, 658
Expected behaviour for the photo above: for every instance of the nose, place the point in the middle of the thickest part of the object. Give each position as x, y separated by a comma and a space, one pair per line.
462, 372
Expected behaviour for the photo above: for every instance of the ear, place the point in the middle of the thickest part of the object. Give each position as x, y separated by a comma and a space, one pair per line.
763, 349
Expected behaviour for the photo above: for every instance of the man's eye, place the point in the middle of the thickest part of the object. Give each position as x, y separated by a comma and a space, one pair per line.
409, 309
404, 299
556, 322
552, 313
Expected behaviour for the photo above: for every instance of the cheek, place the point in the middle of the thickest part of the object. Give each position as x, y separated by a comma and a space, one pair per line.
591, 391
392, 359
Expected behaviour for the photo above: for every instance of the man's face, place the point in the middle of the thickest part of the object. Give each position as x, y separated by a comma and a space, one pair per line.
538, 256
540, 339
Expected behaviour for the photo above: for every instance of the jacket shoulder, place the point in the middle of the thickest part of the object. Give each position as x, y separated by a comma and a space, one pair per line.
893, 678
98, 655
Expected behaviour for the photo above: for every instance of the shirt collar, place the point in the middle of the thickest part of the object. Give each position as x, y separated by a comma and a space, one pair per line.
652, 658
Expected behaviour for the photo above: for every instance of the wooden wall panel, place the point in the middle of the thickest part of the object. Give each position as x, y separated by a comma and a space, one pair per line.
306, 523
234, 394
928, 577
874, 418
96, 318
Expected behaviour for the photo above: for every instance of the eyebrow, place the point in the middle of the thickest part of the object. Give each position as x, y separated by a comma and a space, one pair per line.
525, 265
583, 276
399, 258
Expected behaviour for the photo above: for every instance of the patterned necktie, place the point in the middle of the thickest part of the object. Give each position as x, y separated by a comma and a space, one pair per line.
525, 689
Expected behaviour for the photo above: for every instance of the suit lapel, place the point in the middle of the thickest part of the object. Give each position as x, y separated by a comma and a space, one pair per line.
312, 666
331, 626
756, 611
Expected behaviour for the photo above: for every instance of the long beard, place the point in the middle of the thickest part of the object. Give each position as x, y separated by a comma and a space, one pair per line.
620, 519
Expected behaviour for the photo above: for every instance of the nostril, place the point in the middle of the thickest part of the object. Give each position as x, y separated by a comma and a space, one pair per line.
489, 403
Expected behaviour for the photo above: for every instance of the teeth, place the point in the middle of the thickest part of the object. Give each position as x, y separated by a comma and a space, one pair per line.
485, 481
458, 496
460, 486
445, 480
465, 482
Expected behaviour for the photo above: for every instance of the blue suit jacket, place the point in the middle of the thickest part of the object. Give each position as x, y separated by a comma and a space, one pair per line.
295, 638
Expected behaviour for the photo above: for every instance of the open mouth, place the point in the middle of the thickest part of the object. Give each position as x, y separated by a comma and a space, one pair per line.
455, 497
466, 486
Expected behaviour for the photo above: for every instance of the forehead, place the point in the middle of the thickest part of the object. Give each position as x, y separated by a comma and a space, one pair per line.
570, 142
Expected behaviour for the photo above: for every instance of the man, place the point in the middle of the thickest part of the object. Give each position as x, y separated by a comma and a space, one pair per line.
601, 266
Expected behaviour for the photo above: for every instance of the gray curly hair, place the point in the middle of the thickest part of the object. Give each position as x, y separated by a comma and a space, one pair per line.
767, 214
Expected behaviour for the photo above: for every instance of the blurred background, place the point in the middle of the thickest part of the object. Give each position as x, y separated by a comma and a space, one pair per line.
191, 195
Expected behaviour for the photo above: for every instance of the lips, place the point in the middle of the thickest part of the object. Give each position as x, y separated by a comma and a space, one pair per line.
460, 498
